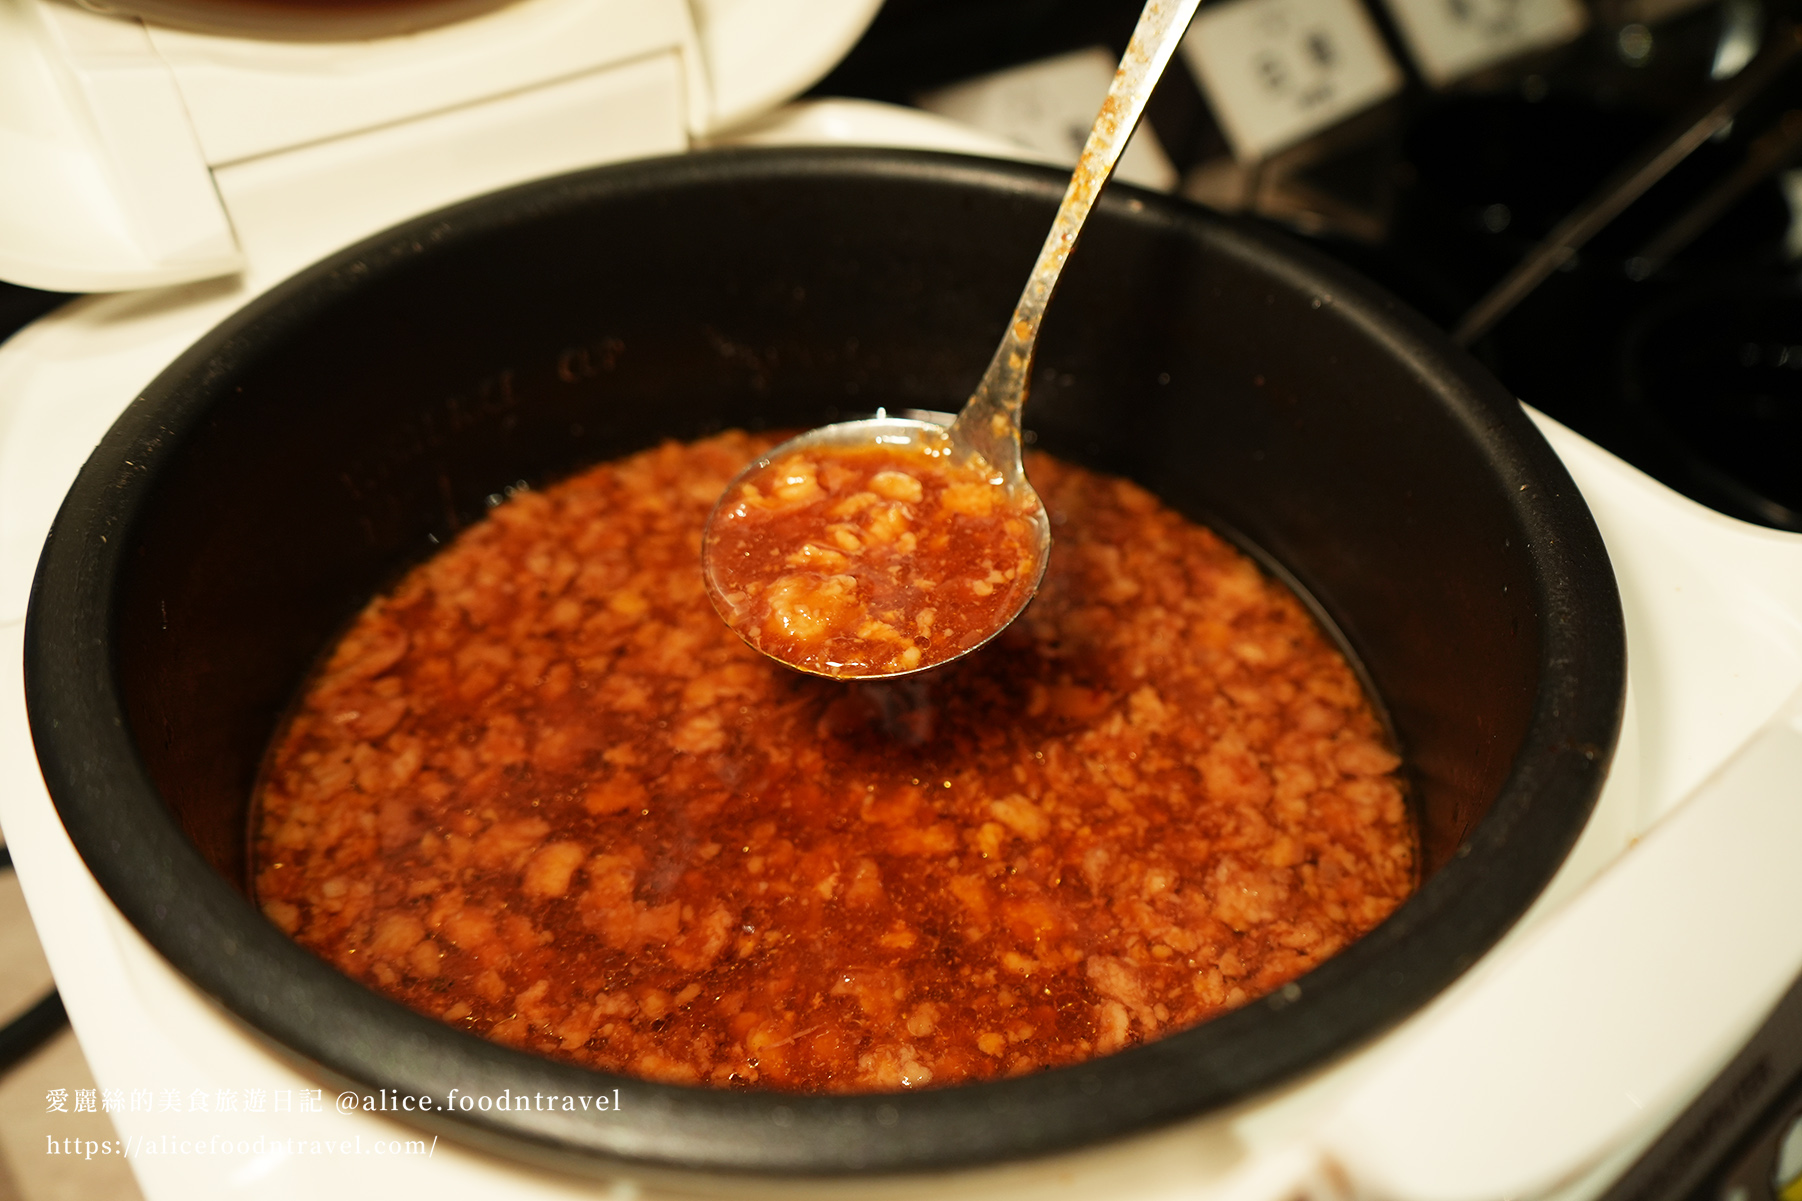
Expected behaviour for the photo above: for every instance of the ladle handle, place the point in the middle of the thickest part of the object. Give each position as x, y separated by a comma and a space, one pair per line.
990, 421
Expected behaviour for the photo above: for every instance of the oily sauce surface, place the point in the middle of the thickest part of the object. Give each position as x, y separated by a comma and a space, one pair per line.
870, 560
541, 792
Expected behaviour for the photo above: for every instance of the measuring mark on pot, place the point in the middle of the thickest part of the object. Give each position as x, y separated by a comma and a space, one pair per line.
577, 363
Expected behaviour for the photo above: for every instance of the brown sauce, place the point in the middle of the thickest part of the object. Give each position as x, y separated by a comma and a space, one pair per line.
541, 792
870, 560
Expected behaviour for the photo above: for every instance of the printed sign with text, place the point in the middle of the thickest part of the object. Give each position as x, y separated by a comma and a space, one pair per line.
1450, 39
1278, 71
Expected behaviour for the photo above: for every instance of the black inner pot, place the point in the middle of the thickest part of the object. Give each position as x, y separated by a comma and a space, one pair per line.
287, 467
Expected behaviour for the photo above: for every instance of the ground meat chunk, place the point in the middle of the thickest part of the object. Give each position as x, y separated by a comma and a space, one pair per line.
541, 792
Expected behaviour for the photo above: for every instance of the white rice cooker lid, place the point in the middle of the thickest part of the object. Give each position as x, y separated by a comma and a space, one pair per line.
151, 152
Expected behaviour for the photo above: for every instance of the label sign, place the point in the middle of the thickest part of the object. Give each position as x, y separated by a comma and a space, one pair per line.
1277, 71
1450, 39
1048, 106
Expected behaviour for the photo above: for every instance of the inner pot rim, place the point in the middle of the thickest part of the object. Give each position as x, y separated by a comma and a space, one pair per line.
161, 883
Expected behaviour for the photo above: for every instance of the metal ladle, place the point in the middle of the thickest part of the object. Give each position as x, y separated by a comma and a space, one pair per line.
989, 423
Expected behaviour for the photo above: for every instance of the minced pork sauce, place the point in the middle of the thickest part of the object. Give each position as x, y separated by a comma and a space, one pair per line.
539, 791
858, 561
